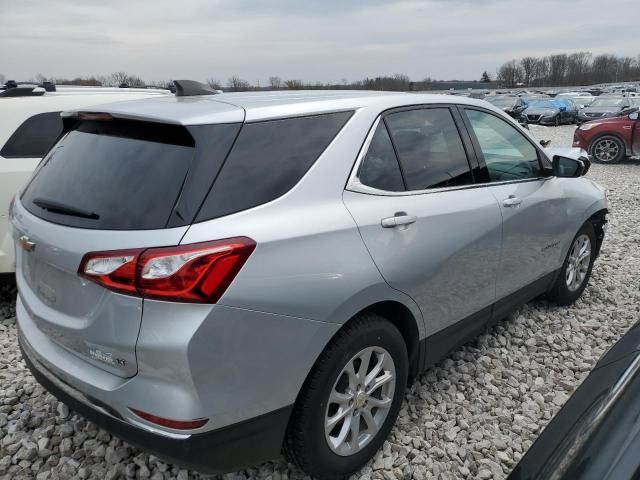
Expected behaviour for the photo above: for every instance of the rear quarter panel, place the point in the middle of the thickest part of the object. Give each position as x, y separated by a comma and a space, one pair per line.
310, 261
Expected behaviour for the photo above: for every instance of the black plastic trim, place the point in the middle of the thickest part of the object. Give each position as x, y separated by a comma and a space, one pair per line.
227, 449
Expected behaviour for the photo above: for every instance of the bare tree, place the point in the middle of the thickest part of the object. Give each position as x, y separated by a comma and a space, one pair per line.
578, 68
118, 78
294, 84
557, 68
510, 74
275, 82
237, 84
528, 65
214, 83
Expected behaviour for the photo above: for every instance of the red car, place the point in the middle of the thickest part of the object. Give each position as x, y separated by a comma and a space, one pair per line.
611, 139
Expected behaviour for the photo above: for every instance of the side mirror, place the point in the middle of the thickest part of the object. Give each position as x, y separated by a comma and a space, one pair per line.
568, 167
545, 143
633, 116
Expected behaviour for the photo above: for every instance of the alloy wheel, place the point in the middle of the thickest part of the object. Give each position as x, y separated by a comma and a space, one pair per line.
360, 401
578, 262
606, 150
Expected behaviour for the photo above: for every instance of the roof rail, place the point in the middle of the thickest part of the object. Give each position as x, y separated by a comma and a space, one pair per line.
190, 88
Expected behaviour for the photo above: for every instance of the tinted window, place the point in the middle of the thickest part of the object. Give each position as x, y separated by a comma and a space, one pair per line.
380, 167
430, 148
120, 175
267, 160
507, 152
34, 137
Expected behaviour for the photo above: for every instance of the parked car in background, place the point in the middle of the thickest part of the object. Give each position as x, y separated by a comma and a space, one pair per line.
274, 267
551, 112
611, 139
30, 123
603, 107
510, 104
595, 434
534, 96
580, 99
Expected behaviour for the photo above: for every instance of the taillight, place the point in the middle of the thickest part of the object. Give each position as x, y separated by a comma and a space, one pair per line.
198, 272
115, 270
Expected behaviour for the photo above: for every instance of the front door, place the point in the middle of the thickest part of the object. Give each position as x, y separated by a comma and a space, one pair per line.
431, 234
534, 207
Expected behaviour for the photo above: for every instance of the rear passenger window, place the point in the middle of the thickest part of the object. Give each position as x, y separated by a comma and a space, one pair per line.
268, 159
380, 167
34, 137
430, 148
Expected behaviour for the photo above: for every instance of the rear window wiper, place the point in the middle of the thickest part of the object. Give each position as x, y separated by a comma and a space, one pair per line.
62, 209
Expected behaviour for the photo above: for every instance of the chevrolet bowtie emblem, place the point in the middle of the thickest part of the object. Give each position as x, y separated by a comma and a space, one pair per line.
26, 244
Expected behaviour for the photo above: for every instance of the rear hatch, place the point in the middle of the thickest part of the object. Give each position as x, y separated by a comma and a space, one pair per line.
109, 184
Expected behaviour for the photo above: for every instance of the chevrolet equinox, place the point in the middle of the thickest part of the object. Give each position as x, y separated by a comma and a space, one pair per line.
221, 278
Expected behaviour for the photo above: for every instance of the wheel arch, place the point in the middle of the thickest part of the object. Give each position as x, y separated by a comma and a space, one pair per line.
608, 134
599, 221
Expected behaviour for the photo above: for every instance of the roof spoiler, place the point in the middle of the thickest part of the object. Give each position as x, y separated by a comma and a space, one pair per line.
191, 88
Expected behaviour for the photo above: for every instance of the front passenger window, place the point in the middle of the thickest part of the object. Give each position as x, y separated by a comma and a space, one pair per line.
506, 151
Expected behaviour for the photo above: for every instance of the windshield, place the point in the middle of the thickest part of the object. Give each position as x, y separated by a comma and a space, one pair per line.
607, 102
635, 101
501, 101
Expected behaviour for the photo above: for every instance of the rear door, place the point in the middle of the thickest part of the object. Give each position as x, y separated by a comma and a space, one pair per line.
534, 207
107, 185
430, 232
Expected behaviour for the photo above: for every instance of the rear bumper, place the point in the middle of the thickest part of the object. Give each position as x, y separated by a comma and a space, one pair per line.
218, 451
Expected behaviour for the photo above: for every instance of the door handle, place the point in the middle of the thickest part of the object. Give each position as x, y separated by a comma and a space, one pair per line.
399, 219
511, 201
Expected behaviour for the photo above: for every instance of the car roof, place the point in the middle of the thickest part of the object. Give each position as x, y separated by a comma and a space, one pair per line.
256, 106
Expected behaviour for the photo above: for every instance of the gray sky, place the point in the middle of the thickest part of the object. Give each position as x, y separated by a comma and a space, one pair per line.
300, 39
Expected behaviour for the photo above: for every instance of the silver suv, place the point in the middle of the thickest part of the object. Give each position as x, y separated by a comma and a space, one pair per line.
219, 278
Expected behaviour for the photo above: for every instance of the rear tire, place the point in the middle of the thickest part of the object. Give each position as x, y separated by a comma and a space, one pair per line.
576, 269
313, 436
607, 149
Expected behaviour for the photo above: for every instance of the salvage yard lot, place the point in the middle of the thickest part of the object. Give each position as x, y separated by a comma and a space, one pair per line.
471, 416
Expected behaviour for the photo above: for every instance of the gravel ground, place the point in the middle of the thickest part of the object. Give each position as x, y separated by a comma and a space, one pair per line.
471, 416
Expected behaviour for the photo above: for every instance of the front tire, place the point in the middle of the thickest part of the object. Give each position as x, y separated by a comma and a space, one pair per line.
351, 399
576, 269
607, 149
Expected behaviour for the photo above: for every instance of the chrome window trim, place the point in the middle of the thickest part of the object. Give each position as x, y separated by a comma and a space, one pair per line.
355, 185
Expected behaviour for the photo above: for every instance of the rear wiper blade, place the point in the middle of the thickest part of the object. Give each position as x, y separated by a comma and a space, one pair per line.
58, 207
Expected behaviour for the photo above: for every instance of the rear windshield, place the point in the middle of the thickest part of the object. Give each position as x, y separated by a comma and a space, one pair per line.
112, 175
